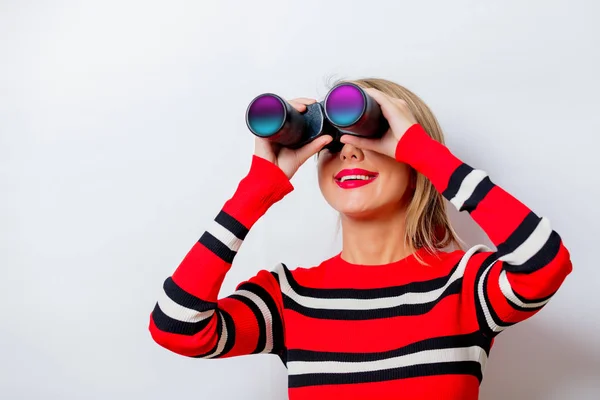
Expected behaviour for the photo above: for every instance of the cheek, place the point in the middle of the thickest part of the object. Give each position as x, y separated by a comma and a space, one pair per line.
327, 185
322, 176
325, 170
396, 184
320, 169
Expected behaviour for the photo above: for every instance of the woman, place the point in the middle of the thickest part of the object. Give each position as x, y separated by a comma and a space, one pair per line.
393, 315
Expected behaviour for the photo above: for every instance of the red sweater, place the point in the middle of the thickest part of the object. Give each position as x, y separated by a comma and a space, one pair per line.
348, 331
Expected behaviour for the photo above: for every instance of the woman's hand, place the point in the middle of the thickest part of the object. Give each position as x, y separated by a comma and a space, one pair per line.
289, 160
399, 117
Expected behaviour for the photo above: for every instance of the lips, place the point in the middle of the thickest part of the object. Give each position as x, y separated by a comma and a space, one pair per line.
360, 177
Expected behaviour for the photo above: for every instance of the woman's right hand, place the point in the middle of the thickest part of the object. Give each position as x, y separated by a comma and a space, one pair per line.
288, 160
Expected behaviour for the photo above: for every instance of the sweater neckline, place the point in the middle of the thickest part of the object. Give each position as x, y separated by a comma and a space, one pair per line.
411, 258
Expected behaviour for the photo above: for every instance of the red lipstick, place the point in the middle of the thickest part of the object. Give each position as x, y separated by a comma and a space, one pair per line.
354, 177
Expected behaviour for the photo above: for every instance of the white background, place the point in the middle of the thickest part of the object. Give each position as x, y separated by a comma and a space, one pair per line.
122, 133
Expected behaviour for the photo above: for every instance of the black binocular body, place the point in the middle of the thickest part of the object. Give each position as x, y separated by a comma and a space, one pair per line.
346, 109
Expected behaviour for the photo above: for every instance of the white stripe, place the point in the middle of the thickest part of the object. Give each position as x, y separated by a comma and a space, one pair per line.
378, 303
506, 289
222, 340
225, 236
531, 245
467, 187
486, 308
473, 353
262, 306
179, 312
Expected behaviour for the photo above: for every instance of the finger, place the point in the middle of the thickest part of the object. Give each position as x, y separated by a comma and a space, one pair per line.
305, 100
381, 98
389, 108
405, 110
301, 103
312, 148
298, 106
379, 95
399, 101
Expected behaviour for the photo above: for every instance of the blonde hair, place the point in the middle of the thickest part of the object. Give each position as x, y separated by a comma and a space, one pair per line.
427, 222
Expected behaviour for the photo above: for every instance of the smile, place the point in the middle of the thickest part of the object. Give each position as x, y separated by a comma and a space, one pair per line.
353, 178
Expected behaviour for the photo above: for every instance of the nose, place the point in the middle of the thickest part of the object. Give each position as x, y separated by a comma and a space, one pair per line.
350, 152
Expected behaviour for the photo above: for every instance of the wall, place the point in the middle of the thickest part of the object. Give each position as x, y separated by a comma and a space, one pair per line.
122, 133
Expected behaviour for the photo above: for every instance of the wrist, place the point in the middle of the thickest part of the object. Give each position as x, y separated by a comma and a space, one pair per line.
412, 144
427, 156
264, 185
270, 171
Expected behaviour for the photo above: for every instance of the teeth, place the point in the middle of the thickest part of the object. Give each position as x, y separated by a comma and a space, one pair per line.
355, 177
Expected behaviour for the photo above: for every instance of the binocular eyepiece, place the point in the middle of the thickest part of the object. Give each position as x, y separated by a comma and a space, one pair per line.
347, 109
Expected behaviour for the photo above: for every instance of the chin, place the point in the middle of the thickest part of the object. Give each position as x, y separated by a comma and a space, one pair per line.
359, 212
369, 209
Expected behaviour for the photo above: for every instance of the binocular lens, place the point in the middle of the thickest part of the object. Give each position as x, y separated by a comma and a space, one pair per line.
345, 105
266, 115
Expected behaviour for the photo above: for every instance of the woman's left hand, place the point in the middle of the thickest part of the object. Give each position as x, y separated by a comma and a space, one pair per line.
399, 117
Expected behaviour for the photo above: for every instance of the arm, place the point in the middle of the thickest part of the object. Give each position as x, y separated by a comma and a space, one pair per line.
188, 318
531, 262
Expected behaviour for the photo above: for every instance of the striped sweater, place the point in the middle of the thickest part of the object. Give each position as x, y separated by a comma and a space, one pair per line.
396, 331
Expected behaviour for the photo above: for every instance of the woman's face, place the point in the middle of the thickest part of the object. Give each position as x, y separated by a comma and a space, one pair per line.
363, 183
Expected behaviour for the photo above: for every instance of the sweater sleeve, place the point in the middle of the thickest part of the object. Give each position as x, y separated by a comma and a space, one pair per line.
188, 317
530, 262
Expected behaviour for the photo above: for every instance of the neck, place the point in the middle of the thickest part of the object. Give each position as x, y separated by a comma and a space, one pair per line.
377, 239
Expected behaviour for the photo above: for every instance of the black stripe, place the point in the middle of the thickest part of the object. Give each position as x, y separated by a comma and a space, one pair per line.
219, 333
523, 231
443, 342
528, 301
539, 260
232, 225
526, 309
278, 342
230, 341
364, 294
260, 319
282, 353
531, 301
217, 247
481, 190
276, 275
183, 298
497, 320
170, 325
401, 310
283, 356
456, 179
442, 368
481, 320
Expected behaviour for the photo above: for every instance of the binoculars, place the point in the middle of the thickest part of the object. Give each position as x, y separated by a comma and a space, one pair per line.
346, 109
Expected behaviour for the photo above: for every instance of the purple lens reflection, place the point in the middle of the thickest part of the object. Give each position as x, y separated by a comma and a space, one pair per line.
266, 115
345, 105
